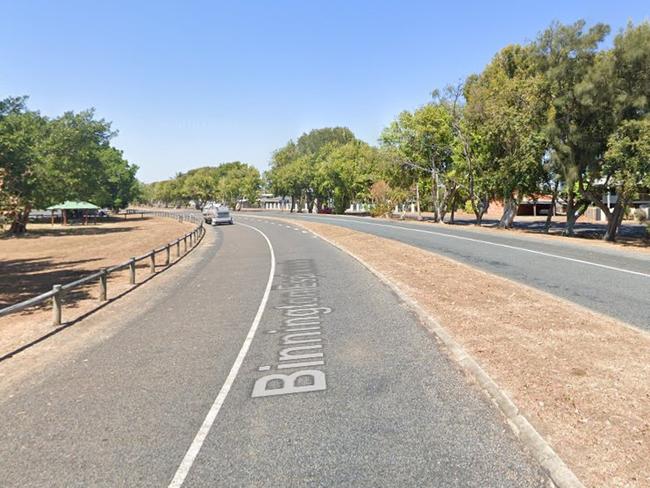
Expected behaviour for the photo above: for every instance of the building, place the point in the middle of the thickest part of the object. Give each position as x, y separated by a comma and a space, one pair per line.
270, 202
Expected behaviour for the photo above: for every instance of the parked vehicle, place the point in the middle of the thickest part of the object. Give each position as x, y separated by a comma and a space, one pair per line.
217, 214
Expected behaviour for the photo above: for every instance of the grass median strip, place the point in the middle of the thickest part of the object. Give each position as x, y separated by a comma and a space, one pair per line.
582, 379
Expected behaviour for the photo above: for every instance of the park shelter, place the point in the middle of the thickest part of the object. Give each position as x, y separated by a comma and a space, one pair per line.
72, 205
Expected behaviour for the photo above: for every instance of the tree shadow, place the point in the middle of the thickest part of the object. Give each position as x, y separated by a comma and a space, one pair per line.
21, 279
72, 299
76, 229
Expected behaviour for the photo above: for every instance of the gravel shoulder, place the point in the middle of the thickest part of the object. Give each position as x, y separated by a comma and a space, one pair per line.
581, 378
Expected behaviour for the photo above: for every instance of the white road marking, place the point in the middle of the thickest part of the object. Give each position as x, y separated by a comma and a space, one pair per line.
195, 447
507, 246
556, 256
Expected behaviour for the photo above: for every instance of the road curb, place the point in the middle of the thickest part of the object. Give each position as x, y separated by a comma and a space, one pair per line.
561, 475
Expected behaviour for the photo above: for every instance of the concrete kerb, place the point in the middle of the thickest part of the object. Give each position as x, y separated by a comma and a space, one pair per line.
561, 475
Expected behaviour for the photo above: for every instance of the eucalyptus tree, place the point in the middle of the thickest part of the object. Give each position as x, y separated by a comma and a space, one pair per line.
346, 173
506, 106
422, 141
469, 153
294, 167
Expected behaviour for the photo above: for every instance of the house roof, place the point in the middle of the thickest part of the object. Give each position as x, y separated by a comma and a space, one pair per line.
73, 205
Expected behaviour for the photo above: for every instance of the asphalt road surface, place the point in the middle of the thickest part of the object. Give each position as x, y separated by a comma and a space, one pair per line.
271, 363
613, 281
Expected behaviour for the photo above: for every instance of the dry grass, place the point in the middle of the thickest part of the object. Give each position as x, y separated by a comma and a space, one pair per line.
48, 255
582, 379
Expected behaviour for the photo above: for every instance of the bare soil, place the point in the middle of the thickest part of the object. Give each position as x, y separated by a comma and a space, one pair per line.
581, 378
58, 254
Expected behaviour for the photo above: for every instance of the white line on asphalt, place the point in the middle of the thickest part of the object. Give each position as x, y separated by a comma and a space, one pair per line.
557, 256
442, 234
195, 447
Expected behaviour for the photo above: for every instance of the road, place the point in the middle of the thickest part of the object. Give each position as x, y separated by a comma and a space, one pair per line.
610, 281
189, 393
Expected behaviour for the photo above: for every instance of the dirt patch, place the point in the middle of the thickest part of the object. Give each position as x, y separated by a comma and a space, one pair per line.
582, 379
56, 254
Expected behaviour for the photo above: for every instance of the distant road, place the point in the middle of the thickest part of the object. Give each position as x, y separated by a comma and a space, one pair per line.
277, 360
611, 281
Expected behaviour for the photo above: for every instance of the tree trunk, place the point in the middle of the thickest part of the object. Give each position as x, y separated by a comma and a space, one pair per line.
570, 214
510, 206
479, 209
19, 224
434, 193
310, 203
293, 201
614, 220
453, 210
551, 211
417, 199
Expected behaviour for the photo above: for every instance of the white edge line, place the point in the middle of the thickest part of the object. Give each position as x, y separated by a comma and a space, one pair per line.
195, 447
557, 256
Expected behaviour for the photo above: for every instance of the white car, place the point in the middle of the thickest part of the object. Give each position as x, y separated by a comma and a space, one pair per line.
217, 215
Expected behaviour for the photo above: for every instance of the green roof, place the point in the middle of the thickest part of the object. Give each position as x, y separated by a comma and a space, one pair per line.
72, 205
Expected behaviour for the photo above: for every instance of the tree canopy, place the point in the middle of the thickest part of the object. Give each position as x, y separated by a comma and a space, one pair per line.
44, 161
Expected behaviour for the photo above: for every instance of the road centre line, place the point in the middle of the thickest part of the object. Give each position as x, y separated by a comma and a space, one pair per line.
195, 447
507, 246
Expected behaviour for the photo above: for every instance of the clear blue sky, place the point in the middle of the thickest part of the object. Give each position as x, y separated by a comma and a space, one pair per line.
194, 83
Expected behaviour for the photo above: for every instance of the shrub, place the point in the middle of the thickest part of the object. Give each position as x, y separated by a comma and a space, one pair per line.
380, 209
640, 215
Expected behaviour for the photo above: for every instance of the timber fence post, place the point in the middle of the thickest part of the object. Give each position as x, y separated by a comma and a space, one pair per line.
103, 285
152, 264
57, 303
132, 271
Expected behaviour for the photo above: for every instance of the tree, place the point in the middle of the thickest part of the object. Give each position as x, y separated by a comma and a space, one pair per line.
578, 119
294, 166
346, 172
46, 161
423, 141
621, 81
240, 182
200, 186
470, 154
627, 165
119, 186
506, 106
22, 134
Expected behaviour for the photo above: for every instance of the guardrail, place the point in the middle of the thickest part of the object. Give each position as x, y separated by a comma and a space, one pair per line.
57, 293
